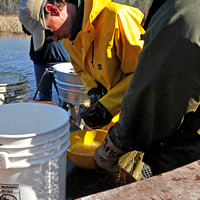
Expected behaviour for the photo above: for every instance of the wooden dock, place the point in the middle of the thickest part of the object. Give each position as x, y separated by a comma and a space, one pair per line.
182, 183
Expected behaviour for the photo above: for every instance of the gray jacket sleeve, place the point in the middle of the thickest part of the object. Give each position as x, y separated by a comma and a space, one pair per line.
166, 83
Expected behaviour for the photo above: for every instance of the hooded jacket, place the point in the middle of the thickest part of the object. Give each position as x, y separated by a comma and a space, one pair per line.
106, 49
165, 86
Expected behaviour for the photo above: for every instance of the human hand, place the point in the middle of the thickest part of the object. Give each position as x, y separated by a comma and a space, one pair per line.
107, 155
94, 95
96, 116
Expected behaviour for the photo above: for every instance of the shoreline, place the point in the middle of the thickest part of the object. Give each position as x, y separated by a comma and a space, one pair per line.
10, 24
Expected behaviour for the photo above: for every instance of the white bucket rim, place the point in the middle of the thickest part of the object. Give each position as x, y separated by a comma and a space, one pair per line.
38, 133
40, 151
62, 67
19, 146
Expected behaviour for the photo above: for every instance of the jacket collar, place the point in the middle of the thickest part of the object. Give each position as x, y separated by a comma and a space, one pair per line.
92, 8
87, 10
153, 7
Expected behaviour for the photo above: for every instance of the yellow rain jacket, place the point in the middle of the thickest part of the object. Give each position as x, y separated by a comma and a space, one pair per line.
106, 49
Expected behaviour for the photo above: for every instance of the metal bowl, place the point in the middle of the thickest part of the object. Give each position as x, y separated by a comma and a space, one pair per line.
83, 145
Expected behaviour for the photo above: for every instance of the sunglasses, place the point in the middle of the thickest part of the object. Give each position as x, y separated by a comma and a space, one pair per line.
48, 32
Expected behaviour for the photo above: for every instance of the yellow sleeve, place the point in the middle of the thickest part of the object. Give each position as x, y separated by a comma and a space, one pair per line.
87, 80
128, 47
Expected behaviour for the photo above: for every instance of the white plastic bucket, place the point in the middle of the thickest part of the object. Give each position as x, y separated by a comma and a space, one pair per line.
13, 88
34, 138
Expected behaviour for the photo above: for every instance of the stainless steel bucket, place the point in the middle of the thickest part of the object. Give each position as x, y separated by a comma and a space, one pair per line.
13, 88
70, 87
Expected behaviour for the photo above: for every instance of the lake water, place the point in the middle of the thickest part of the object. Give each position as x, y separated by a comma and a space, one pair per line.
14, 57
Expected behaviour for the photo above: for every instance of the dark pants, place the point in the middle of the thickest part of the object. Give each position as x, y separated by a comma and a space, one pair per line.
45, 91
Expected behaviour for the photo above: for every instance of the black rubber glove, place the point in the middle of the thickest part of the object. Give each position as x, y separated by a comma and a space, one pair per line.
96, 116
94, 95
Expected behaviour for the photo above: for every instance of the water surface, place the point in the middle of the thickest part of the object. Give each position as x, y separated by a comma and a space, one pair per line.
14, 57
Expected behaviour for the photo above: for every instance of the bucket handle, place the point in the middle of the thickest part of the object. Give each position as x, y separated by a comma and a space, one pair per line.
6, 164
4, 160
50, 69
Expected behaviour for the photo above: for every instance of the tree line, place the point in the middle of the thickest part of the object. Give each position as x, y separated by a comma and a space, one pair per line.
10, 7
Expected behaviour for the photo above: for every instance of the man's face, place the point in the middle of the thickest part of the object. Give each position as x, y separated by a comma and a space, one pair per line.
60, 21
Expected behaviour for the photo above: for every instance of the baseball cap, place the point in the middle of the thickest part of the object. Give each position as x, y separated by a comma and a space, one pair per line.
30, 17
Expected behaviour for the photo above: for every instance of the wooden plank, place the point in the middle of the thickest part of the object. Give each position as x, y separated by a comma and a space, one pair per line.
182, 183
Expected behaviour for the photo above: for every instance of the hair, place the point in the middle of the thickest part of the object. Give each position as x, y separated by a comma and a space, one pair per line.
58, 3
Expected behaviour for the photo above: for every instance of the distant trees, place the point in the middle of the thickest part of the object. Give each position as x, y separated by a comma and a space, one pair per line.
141, 4
10, 7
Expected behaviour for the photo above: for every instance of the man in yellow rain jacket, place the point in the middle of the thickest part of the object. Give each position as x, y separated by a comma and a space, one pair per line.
103, 40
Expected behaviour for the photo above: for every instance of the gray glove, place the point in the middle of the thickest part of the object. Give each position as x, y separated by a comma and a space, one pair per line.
107, 155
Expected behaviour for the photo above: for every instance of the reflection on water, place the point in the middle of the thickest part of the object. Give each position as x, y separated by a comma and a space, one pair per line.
14, 57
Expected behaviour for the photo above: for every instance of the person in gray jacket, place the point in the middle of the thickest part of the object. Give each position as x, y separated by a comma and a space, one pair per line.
158, 110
